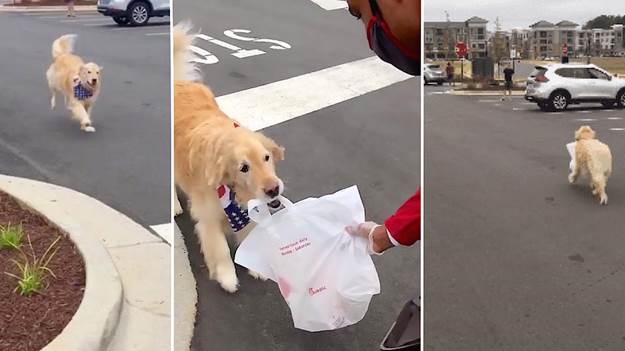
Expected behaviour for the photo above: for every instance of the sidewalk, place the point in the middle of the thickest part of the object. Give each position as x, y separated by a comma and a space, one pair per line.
484, 92
58, 8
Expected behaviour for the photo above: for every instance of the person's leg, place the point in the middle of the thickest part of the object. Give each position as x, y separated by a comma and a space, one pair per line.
71, 9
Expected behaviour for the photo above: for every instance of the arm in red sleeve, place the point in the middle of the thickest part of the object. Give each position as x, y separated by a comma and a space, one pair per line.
405, 225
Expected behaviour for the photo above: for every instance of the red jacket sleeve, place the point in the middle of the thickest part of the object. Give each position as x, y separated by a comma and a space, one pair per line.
405, 225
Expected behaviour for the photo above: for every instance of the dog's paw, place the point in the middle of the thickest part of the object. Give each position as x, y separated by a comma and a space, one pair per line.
604, 199
571, 178
227, 279
256, 275
88, 129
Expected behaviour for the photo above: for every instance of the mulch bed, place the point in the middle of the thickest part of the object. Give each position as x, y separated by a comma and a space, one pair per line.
30, 323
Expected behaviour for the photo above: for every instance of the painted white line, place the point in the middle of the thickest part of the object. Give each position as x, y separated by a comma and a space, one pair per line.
486, 100
43, 13
277, 102
65, 16
521, 109
556, 113
617, 129
156, 34
329, 5
103, 20
614, 118
586, 119
607, 110
584, 111
528, 103
165, 231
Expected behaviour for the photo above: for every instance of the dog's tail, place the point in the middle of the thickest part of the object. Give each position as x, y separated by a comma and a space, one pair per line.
184, 68
63, 45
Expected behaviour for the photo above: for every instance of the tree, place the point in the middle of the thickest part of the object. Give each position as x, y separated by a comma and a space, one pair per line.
604, 21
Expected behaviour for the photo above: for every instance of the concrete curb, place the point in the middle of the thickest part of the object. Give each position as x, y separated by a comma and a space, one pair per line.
95, 320
186, 295
484, 93
141, 260
58, 8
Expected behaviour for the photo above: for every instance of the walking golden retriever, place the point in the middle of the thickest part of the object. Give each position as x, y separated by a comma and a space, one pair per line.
592, 158
79, 82
211, 150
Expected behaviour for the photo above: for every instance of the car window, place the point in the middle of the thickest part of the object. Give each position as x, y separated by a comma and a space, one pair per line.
598, 74
565, 72
582, 73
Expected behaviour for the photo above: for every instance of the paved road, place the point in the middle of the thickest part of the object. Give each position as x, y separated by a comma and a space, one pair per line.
515, 257
371, 140
126, 163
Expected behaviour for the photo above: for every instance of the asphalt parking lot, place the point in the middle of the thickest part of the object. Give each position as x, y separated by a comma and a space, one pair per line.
126, 163
370, 139
515, 257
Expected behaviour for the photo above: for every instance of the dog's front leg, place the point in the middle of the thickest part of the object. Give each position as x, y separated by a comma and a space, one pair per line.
80, 114
575, 173
217, 253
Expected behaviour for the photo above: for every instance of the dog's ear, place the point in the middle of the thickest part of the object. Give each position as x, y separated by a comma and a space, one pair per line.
276, 150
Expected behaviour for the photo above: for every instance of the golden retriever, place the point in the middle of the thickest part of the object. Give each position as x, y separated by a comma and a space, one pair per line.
79, 82
210, 150
592, 158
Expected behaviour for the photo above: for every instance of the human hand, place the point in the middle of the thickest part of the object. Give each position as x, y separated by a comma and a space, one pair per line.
375, 233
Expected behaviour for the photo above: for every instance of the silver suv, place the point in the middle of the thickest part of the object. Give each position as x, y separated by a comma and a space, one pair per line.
553, 87
433, 73
133, 12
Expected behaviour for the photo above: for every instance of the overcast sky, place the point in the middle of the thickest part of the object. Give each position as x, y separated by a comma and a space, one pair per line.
519, 13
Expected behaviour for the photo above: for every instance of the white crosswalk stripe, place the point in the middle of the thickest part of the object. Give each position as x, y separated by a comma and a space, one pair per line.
297, 96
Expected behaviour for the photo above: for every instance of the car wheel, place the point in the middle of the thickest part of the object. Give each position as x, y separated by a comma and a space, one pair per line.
559, 101
122, 21
139, 13
620, 99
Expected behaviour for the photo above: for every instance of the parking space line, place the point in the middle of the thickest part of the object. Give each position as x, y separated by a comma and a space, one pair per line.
104, 20
614, 118
65, 16
156, 34
586, 119
297, 96
521, 109
617, 129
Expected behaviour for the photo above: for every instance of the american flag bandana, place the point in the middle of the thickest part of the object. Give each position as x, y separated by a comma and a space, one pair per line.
237, 216
80, 92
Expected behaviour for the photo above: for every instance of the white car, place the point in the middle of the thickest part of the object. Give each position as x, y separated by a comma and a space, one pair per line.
133, 12
433, 73
553, 87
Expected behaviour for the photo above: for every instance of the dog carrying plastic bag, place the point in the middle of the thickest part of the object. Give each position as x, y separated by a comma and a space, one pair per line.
325, 275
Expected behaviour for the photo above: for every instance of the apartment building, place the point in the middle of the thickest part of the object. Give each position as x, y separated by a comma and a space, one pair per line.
547, 39
599, 41
519, 42
441, 38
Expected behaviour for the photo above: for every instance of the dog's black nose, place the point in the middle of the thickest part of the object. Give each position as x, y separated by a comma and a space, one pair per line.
93, 81
273, 192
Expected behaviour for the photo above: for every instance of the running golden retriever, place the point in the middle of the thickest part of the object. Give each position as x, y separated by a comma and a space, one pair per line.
211, 150
79, 82
592, 158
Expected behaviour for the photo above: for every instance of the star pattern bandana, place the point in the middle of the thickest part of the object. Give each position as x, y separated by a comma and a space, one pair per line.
80, 92
237, 216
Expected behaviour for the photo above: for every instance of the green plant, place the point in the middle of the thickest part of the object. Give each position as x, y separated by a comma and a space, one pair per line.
11, 236
33, 270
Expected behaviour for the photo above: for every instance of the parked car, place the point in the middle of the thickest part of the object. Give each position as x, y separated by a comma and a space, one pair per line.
133, 12
553, 87
433, 73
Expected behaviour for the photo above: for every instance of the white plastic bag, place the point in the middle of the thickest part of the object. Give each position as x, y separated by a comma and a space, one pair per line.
570, 147
325, 275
